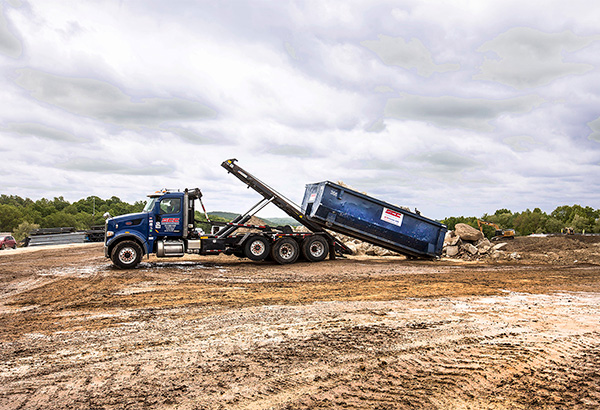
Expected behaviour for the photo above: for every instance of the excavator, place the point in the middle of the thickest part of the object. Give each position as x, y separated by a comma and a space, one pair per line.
500, 233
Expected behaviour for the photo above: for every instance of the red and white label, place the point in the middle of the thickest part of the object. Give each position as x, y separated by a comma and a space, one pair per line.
312, 198
170, 220
392, 217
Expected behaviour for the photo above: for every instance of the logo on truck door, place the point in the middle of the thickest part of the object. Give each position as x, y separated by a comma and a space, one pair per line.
170, 220
392, 216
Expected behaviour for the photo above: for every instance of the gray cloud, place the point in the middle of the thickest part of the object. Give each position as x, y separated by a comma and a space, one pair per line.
292, 150
444, 162
595, 126
104, 101
528, 58
107, 167
10, 45
41, 131
194, 137
520, 143
455, 112
407, 54
376, 126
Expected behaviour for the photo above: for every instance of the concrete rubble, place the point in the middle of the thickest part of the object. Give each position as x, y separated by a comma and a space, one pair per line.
466, 242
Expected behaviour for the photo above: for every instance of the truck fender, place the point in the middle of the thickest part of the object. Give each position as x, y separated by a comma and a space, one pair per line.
127, 235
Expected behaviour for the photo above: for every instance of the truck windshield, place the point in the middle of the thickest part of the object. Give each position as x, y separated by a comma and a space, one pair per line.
150, 204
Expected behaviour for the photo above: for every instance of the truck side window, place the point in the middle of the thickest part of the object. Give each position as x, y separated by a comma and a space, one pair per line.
170, 206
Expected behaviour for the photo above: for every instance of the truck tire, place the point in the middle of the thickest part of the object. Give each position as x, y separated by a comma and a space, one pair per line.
126, 255
285, 250
315, 248
256, 248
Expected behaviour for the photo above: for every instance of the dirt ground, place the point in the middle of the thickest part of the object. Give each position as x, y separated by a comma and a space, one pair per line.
362, 332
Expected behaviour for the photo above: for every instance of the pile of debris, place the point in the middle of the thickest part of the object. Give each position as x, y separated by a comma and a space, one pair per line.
359, 247
466, 242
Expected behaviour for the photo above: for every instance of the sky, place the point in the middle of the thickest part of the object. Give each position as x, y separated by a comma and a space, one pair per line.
454, 108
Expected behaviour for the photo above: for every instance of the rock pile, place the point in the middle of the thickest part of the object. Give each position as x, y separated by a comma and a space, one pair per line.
364, 248
357, 246
466, 242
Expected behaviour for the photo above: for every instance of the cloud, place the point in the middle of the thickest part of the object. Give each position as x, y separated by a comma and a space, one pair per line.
195, 137
520, 143
456, 112
107, 167
105, 102
595, 126
526, 57
407, 54
296, 151
41, 131
10, 45
444, 162
376, 126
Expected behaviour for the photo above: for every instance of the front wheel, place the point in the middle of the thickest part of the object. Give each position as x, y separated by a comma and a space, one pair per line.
126, 255
285, 250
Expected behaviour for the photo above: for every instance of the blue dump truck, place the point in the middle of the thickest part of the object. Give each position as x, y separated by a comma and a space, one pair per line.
167, 226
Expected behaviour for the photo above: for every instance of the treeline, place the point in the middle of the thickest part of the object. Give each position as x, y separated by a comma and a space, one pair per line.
59, 212
83, 214
580, 219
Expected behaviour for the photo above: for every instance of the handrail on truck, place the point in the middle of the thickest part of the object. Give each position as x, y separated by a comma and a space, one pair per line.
281, 202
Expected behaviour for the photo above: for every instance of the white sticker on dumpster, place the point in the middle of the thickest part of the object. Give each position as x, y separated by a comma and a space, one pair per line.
392, 216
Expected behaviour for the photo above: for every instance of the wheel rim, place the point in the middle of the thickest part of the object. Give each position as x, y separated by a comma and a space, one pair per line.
286, 251
257, 248
127, 255
317, 249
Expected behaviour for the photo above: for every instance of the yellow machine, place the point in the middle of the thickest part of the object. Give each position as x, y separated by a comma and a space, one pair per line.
500, 233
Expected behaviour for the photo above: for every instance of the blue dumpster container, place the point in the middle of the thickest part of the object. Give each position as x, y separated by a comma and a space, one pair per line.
351, 213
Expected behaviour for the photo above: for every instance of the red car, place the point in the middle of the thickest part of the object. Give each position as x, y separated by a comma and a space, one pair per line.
7, 241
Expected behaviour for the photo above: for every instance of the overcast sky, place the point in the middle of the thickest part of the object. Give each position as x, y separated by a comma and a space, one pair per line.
456, 108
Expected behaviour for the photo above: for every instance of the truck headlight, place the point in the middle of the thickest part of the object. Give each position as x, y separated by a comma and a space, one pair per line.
109, 234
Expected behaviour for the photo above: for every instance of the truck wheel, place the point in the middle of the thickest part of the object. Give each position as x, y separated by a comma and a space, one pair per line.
315, 248
285, 250
256, 248
126, 255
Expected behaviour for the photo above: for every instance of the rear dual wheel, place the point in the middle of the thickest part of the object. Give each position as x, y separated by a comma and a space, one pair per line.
285, 251
315, 248
256, 248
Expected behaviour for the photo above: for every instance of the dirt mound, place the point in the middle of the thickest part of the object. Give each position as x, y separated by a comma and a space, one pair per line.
551, 243
254, 220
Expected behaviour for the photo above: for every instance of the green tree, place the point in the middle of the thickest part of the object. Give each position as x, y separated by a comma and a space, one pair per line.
10, 217
61, 219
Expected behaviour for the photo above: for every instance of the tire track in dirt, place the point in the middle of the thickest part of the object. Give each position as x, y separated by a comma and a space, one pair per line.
500, 371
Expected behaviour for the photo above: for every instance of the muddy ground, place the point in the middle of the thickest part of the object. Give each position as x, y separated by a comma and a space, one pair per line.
362, 332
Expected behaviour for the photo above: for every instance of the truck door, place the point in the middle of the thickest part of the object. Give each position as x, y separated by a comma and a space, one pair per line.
169, 221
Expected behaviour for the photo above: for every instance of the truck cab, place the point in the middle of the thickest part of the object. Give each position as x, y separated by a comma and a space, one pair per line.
165, 227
